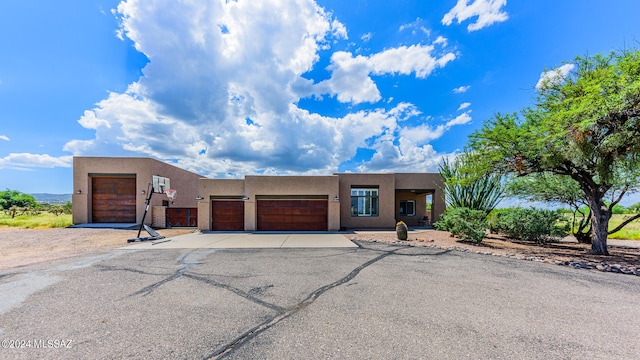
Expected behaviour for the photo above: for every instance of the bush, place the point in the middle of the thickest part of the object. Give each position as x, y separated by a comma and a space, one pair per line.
11, 198
468, 224
529, 224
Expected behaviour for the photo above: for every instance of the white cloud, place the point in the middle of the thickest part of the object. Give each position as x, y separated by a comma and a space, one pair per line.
4, 137
220, 92
350, 76
415, 26
464, 105
462, 89
461, 119
554, 77
366, 37
487, 11
441, 40
26, 161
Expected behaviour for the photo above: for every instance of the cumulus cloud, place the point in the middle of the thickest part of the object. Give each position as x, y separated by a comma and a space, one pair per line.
28, 161
220, 92
462, 89
4, 137
554, 77
488, 12
351, 76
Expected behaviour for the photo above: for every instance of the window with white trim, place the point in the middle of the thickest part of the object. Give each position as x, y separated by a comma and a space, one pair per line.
408, 207
364, 202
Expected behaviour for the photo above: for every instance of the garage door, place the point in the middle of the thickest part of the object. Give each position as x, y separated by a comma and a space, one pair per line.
113, 200
292, 215
227, 215
185, 217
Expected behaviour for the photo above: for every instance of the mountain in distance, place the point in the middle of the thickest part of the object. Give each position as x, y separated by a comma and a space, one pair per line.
52, 198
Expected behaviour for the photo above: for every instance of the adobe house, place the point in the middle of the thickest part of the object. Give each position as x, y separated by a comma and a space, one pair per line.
112, 189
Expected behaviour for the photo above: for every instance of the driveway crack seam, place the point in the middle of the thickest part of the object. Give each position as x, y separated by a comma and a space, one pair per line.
251, 333
236, 291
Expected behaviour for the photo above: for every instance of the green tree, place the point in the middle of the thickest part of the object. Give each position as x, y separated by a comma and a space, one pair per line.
465, 187
11, 198
584, 126
557, 189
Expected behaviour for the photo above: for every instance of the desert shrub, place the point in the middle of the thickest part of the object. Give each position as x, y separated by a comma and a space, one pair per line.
11, 198
468, 224
529, 224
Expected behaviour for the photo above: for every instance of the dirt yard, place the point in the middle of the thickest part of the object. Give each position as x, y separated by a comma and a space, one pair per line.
25, 246
623, 254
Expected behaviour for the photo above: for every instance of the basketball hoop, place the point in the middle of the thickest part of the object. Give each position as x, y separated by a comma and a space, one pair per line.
171, 194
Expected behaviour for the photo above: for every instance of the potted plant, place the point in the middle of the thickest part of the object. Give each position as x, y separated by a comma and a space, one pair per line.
401, 230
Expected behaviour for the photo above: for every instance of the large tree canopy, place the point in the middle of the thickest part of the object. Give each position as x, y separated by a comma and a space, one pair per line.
584, 126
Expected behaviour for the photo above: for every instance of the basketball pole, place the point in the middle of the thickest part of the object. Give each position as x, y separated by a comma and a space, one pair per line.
146, 208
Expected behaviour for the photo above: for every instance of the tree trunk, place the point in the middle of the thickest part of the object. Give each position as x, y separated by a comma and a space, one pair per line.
583, 237
600, 215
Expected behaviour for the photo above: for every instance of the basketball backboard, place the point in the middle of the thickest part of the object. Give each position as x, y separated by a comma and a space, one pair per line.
160, 184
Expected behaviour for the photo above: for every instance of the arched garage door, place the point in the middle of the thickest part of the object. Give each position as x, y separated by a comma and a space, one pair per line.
292, 214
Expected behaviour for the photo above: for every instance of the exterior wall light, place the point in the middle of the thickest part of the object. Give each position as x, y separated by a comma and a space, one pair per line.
336, 199
78, 191
245, 198
198, 198
142, 192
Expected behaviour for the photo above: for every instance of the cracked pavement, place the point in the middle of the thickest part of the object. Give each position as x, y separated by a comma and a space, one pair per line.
376, 301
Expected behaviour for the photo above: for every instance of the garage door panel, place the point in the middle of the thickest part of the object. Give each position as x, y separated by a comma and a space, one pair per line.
227, 215
292, 215
113, 200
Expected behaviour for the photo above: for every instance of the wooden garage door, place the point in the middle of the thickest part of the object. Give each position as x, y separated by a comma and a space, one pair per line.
113, 200
292, 215
227, 215
182, 217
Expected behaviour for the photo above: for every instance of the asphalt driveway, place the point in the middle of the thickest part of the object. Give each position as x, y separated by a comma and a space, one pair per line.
376, 301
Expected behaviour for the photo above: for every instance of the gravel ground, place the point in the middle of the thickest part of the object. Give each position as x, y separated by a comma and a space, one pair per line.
624, 254
27, 246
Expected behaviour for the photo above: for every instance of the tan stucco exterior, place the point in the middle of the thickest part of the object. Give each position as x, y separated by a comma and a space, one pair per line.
84, 168
336, 189
253, 187
392, 188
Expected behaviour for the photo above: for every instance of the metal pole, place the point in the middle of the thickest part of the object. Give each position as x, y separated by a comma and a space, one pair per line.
146, 208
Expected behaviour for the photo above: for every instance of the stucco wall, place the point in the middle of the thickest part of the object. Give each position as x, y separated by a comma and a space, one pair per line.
292, 185
208, 188
185, 182
254, 186
392, 188
386, 201
424, 181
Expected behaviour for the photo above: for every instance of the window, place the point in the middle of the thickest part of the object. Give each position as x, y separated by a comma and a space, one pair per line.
364, 202
408, 207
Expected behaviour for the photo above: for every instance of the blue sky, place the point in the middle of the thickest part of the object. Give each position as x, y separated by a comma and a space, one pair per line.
229, 88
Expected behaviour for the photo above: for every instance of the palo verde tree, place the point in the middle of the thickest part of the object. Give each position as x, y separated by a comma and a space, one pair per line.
584, 126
